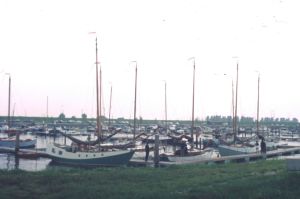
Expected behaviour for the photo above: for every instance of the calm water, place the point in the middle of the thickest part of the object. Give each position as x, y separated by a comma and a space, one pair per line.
9, 162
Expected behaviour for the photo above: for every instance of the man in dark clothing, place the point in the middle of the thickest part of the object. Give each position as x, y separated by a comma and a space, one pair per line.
147, 150
263, 146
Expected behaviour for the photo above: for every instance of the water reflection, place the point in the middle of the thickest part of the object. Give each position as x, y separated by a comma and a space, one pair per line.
10, 162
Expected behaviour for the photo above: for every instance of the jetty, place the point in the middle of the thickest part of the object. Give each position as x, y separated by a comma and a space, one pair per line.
223, 160
36, 152
218, 160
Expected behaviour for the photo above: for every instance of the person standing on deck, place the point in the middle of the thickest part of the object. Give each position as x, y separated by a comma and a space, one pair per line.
256, 146
263, 146
147, 150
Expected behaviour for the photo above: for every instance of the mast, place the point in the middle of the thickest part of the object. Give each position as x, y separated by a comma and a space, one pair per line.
109, 106
13, 112
47, 108
232, 99
9, 96
257, 119
100, 107
236, 99
166, 118
192, 132
97, 93
135, 88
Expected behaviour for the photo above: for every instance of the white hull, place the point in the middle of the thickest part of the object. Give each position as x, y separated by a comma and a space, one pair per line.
225, 150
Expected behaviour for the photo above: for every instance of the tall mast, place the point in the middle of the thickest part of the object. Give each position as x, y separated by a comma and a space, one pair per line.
232, 99
192, 132
47, 108
100, 103
9, 96
257, 119
109, 106
236, 100
135, 88
166, 118
97, 93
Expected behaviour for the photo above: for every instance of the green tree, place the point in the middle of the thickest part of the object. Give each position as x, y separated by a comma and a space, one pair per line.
84, 116
295, 120
62, 116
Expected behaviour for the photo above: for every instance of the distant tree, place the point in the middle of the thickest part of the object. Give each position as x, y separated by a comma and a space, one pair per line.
62, 116
295, 120
282, 119
207, 118
73, 117
141, 119
120, 119
83, 116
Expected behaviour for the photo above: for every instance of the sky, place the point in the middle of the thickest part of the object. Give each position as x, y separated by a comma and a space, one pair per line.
47, 49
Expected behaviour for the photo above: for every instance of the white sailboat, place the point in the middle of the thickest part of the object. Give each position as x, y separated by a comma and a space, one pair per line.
237, 148
13, 140
86, 155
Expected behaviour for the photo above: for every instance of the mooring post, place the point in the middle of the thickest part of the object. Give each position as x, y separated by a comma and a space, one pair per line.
200, 144
156, 151
197, 137
17, 146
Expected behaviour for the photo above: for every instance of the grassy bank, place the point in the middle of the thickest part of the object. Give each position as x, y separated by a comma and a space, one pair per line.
263, 179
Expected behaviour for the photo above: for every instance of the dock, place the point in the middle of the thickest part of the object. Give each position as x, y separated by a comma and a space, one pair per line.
37, 152
218, 160
223, 160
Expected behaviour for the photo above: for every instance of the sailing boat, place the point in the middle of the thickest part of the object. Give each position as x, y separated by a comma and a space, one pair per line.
240, 147
183, 154
85, 155
13, 140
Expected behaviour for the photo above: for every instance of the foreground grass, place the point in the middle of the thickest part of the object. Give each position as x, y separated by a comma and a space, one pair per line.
263, 179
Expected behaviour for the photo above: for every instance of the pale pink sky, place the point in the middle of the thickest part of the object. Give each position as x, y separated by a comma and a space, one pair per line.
46, 48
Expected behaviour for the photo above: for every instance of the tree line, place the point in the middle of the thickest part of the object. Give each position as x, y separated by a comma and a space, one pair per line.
251, 120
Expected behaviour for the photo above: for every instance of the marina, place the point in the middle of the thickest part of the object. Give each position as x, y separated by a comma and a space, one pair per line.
37, 158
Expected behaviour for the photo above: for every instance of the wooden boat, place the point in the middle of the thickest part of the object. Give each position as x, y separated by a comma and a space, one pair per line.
23, 143
228, 150
186, 155
28, 155
239, 147
85, 155
65, 155
11, 132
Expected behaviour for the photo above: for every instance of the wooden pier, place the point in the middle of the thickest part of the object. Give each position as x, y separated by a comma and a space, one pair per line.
225, 159
37, 152
217, 160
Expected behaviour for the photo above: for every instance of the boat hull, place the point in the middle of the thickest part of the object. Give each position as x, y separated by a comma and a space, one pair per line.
11, 143
225, 150
105, 158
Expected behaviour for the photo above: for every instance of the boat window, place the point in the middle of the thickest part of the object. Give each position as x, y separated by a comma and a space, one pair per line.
60, 152
94, 155
78, 155
87, 155
53, 150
